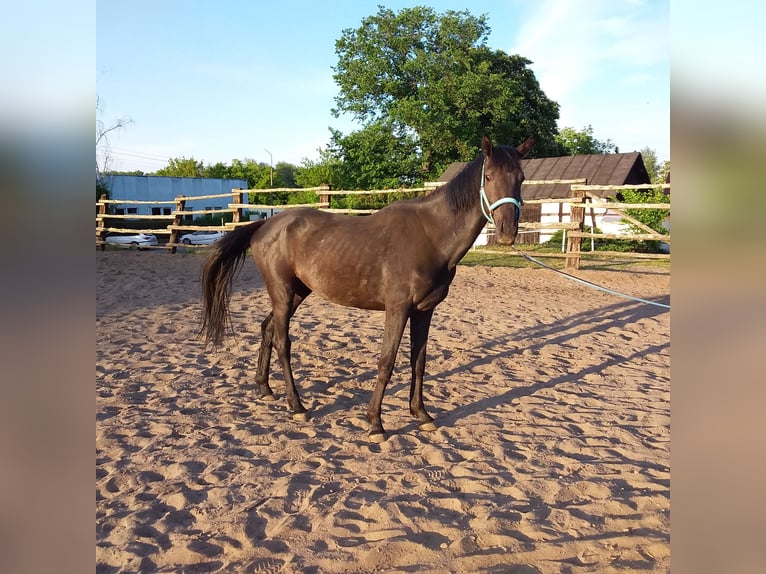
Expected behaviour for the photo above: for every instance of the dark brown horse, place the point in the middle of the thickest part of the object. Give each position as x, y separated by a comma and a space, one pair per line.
400, 260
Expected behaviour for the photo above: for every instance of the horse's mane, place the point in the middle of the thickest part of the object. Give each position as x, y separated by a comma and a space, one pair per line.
462, 191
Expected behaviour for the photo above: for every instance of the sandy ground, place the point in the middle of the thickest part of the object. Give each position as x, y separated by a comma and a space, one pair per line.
552, 452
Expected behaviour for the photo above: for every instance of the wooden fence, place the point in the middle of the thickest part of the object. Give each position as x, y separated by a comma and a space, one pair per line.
579, 203
176, 227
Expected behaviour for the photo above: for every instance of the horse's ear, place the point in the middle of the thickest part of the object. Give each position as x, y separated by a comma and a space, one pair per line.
486, 145
523, 149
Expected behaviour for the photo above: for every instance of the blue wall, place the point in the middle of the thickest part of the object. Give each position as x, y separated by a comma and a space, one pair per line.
166, 189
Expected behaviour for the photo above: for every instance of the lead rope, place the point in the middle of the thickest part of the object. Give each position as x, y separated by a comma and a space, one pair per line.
588, 283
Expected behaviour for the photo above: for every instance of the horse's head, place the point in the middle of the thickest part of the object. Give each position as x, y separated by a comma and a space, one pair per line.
501, 187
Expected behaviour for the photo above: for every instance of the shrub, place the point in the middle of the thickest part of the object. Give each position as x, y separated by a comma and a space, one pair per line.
624, 245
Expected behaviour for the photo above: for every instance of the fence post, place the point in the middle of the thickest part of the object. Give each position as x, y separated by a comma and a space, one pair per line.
324, 197
236, 216
177, 221
577, 215
101, 235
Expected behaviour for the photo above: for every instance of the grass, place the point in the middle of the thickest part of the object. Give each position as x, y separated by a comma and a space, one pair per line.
500, 256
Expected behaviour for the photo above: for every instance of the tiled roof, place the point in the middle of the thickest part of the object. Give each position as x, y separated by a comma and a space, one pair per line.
598, 169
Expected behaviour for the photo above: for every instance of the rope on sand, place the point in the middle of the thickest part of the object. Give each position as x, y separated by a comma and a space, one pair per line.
590, 284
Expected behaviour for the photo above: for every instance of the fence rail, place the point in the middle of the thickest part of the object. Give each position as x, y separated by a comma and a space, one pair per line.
574, 230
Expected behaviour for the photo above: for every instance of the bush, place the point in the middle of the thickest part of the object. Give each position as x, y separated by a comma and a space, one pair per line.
624, 245
213, 219
653, 218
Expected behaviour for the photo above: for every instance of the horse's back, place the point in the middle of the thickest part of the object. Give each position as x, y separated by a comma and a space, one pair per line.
360, 261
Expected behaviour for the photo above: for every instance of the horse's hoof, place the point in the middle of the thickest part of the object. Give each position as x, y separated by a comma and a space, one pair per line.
301, 417
429, 426
268, 398
377, 437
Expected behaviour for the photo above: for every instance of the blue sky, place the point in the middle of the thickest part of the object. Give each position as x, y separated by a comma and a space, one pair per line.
224, 80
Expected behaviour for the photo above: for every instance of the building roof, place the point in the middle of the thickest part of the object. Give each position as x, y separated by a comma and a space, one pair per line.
597, 169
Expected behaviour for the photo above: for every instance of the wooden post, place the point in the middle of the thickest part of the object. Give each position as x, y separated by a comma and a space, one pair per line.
101, 235
577, 215
324, 197
177, 220
236, 217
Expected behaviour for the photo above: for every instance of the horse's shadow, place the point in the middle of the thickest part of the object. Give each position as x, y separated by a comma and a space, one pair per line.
517, 343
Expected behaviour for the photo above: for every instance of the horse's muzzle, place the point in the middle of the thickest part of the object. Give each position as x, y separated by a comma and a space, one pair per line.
506, 226
505, 239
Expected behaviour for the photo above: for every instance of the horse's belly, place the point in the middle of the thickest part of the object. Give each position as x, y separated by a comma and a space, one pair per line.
346, 288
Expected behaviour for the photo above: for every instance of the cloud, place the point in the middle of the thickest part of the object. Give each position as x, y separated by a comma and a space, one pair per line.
571, 42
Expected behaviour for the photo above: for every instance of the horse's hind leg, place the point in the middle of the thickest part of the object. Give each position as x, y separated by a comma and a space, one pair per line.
264, 358
267, 344
420, 323
285, 304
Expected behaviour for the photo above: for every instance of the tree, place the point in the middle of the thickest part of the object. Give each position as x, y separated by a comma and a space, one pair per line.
284, 174
182, 167
102, 142
256, 174
432, 77
326, 171
573, 142
376, 157
657, 172
217, 171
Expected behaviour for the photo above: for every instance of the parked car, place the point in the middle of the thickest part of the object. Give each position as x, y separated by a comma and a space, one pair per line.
201, 237
133, 239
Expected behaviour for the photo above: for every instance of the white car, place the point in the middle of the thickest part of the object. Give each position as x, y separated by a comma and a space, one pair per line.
201, 237
132, 239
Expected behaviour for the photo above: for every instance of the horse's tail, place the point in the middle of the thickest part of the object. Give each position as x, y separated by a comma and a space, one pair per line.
227, 255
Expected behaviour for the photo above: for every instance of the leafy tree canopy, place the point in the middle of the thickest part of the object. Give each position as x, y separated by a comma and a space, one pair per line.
182, 167
432, 77
573, 142
325, 171
380, 156
258, 175
657, 172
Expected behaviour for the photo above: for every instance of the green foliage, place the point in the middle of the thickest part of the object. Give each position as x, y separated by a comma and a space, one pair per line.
182, 167
370, 201
432, 77
622, 245
102, 188
136, 172
257, 175
284, 175
663, 174
573, 142
558, 236
654, 218
218, 171
268, 197
380, 156
657, 172
214, 219
326, 171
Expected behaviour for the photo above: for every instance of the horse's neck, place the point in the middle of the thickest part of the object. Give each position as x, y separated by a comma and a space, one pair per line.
457, 230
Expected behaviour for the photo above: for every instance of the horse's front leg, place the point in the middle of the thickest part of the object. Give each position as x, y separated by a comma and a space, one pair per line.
420, 323
264, 358
396, 319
